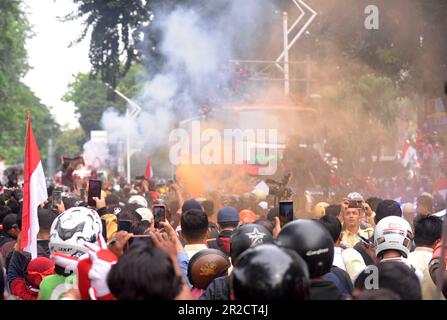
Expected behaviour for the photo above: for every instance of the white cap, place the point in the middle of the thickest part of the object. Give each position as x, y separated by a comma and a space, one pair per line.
145, 214
355, 196
137, 199
263, 205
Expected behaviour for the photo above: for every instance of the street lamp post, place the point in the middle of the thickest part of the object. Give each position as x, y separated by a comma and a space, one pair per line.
286, 55
130, 114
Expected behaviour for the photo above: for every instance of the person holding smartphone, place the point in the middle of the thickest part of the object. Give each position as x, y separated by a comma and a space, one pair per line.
352, 217
96, 201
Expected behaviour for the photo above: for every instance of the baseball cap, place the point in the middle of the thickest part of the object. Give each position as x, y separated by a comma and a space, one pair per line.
227, 214
263, 205
137, 199
355, 196
191, 204
145, 214
9, 221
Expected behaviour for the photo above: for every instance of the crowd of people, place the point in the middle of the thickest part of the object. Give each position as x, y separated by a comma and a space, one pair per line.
219, 247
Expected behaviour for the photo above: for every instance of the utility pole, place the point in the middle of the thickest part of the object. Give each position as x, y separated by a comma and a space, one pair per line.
132, 111
286, 54
50, 159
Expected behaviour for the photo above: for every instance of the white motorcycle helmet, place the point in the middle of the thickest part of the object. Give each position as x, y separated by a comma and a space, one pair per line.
393, 233
137, 199
71, 229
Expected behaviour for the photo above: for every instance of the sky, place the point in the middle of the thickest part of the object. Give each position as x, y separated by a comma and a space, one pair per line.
53, 63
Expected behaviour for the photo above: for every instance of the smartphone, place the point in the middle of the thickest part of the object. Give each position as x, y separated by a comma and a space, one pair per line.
94, 190
124, 225
159, 211
285, 212
366, 241
57, 198
355, 204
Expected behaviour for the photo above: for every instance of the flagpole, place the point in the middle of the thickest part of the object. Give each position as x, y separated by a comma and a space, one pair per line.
34, 192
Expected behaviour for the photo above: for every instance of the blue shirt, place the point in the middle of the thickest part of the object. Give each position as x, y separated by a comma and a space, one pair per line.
183, 261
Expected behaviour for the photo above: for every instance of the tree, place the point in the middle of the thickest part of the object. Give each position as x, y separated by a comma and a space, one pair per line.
123, 32
69, 143
90, 97
15, 97
14, 29
429, 69
362, 116
13, 121
117, 28
410, 46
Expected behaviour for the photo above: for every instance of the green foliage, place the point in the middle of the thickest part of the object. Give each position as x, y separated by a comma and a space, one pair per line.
366, 114
15, 97
429, 69
377, 96
116, 27
69, 143
91, 97
13, 33
13, 124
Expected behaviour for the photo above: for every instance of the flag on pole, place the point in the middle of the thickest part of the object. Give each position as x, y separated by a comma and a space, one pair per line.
149, 172
408, 153
34, 193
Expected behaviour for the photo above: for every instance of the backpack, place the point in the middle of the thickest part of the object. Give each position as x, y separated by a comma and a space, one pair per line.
222, 243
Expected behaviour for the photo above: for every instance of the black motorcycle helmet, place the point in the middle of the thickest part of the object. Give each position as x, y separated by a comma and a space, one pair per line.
268, 272
246, 236
312, 242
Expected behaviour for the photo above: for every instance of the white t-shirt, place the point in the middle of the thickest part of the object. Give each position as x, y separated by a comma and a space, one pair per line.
418, 272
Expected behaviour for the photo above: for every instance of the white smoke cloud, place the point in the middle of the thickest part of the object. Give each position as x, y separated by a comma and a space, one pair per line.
189, 44
195, 52
96, 155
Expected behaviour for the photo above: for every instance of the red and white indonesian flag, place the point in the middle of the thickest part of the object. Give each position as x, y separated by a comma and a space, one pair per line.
408, 153
34, 193
149, 173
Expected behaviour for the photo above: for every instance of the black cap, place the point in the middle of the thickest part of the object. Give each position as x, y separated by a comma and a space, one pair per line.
311, 241
268, 272
4, 211
191, 204
246, 236
9, 221
227, 214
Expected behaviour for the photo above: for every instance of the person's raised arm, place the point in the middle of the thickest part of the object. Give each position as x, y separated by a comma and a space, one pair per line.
169, 243
179, 196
